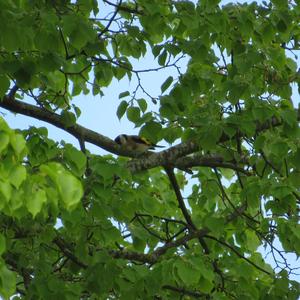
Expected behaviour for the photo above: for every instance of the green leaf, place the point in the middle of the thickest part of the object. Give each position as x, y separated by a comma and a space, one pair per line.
4, 85
253, 242
69, 187
210, 136
17, 175
47, 41
186, 272
119, 73
106, 170
77, 111
56, 81
122, 109
104, 74
215, 224
35, 203
280, 3
70, 190
162, 58
166, 84
18, 143
295, 159
133, 114
139, 238
4, 140
78, 30
244, 269
7, 282
68, 118
262, 113
2, 244
291, 64
289, 116
171, 134
124, 94
142, 104
151, 131
259, 142
76, 159
156, 50
5, 190
279, 148
228, 173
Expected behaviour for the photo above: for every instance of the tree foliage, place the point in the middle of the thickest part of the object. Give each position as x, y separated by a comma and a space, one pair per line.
191, 221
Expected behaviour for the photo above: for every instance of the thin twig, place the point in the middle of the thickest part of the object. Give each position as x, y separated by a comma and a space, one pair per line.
111, 19
66, 251
238, 254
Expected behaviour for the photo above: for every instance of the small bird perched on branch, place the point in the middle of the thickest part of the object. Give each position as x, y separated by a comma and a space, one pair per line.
135, 143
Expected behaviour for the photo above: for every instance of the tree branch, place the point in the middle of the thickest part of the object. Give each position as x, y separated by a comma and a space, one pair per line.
13, 91
176, 188
212, 161
181, 204
66, 251
183, 291
153, 257
118, 6
148, 161
151, 232
149, 258
83, 134
78, 131
238, 254
125, 8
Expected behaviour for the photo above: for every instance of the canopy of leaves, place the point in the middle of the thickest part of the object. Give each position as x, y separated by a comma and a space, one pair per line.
189, 222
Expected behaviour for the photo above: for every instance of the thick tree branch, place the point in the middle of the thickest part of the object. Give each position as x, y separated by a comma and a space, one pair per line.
133, 256
80, 132
148, 161
54, 119
164, 158
83, 134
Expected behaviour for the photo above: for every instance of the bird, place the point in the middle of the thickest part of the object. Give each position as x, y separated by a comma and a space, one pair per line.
135, 143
